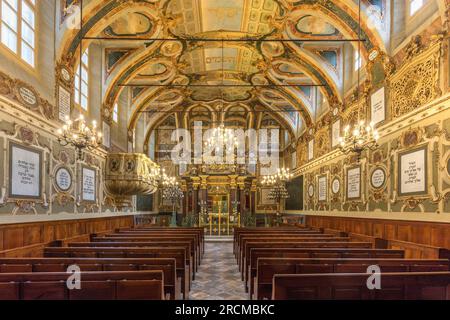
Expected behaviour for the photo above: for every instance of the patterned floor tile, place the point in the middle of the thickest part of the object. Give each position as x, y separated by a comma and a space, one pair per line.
218, 277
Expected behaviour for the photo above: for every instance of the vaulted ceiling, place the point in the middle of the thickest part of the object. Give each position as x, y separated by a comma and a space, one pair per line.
211, 55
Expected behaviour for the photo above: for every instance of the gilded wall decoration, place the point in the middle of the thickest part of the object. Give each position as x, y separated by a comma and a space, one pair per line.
415, 163
417, 81
25, 95
322, 142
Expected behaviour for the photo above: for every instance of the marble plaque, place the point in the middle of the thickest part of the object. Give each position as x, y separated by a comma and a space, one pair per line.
354, 183
25, 172
378, 178
89, 185
322, 188
336, 186
335, 133
63, 179
412, 175
311, 150
63, 103
378, 107
311, 190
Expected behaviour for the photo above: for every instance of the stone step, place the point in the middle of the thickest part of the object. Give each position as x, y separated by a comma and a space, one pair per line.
219, 238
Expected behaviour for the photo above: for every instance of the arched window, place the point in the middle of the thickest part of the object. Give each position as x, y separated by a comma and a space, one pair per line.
358, 60
18, 27
115, 115
82, 82
415, 6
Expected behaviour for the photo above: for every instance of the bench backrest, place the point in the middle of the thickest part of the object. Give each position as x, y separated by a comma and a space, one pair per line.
268, 267
395, 286
142, 285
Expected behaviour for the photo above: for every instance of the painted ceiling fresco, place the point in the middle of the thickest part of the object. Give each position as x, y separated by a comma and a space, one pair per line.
242, 61
131, 24
316, 26
200, 16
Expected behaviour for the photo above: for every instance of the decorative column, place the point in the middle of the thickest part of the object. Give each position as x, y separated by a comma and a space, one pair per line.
253, 197
233, 191
184, 206
203, 192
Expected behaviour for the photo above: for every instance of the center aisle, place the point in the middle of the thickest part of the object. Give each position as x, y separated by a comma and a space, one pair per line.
218, 276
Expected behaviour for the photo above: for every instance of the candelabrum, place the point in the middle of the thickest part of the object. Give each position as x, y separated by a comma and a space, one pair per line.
278, 191
172, 192
359, 139
79, 135
234, 213
203, 210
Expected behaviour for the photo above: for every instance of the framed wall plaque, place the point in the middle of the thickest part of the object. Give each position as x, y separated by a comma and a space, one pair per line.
378, 106
88, 184
311, 191
322, 188
335, 133
25, 172
311, 150
354, 183
336, 186
64, 103
63, 179
378, 178
412, 172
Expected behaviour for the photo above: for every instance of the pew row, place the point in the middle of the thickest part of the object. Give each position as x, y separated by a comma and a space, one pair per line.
177, 253
172, 284
337, 253
122, 285
267, 268
342, 286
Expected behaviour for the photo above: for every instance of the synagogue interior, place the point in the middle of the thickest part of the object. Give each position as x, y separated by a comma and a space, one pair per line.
224, 150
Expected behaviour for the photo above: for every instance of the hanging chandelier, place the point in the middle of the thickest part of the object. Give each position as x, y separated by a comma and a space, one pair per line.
362, 137
79, 135
277, 183
222, 139
281, 176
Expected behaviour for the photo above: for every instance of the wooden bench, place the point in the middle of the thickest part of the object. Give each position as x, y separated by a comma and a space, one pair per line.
194, 252
197, 238
394, 286
264, 236
295, 244
130, 244
268, 267
198, 230
269, 231
178, 253
281, 239
122, 285
286, 252
172, 284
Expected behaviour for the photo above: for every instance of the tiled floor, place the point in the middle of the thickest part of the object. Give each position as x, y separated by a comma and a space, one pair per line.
218, 277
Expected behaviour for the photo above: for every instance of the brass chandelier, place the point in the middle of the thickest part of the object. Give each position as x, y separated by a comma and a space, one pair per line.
222, 139
277, 183
362, 137
78, 134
